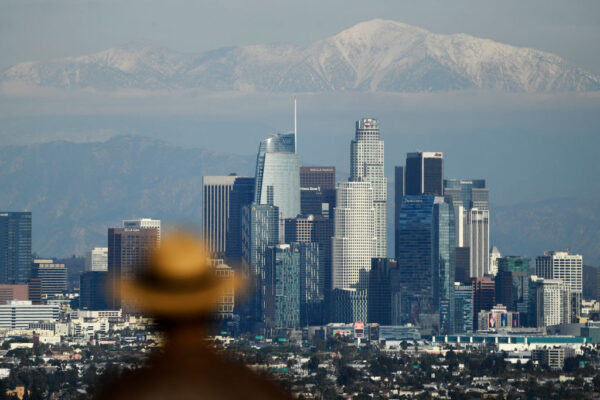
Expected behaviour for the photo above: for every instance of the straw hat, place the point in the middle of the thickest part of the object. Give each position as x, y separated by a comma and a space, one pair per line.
179, 280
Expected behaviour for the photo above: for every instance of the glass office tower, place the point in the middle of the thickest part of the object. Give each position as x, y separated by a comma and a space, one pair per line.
15, 247
426, 262
278, 175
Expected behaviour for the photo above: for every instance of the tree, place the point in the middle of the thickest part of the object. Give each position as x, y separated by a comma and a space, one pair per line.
313, 364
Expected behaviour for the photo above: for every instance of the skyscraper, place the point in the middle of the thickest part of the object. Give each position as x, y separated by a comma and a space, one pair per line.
282, 287
354, 242
484, 297
15, 247
568, 268
398, 194
384, 287
129, 249
470, 199
549, 302
367, 165
260, 230
426, 261
216, 192
424, 173
52, 276
512, 284
93, 290
143, 223
96, 259
242, 194
317, 190
278, 175
463, 308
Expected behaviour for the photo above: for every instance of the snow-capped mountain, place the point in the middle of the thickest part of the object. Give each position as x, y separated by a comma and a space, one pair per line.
377, 55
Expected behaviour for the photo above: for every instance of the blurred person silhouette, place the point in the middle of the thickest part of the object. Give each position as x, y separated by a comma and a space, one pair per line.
179, 288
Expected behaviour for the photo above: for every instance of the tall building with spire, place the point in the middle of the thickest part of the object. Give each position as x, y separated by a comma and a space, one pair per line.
367, 165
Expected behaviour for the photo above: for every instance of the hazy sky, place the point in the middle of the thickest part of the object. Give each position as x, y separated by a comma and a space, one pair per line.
43, 29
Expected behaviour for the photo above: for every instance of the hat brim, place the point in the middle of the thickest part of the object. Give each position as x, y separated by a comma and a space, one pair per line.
154, 301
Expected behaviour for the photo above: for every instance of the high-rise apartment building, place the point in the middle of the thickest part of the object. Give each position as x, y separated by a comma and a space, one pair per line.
354, 242
463, 308
226, 302
242, 194
15, 247
278, 175
568, 268
470, 199
367, 165
52, 276
424, 173
260, 230
426, 261
282, 287
96, 259
512, 284
129, 249
216, 192
549, 302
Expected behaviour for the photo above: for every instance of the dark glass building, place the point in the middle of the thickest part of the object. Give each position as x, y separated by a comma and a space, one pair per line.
512, 284
242, 194
398, 194
317, 191
384, 288
15, 247
426, 262
93, 290
463, 308
484, 296
424, 173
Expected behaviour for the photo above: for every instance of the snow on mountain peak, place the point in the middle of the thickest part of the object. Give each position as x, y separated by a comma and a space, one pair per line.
375, 55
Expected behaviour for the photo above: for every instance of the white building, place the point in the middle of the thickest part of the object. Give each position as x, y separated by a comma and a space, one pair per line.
142, 223
354, 242
367, 165
96, 259
550, 302
18, 314
566, 267
494, 256
476, 236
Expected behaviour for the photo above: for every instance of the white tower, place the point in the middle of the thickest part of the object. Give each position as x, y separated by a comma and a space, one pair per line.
367, 165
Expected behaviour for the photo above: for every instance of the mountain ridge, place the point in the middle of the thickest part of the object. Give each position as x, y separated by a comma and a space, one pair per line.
377, 55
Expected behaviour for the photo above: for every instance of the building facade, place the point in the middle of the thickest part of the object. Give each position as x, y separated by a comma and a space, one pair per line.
129, 250
463, 308
96, 259
549, 302
424, 173
93, 290
18, 314
282, 287
278, 175
15, 247
242, 195
367, 165
384, 291
426, 261
216, 193
484, 297
568, 268
52, 276
512, 284
354, 242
